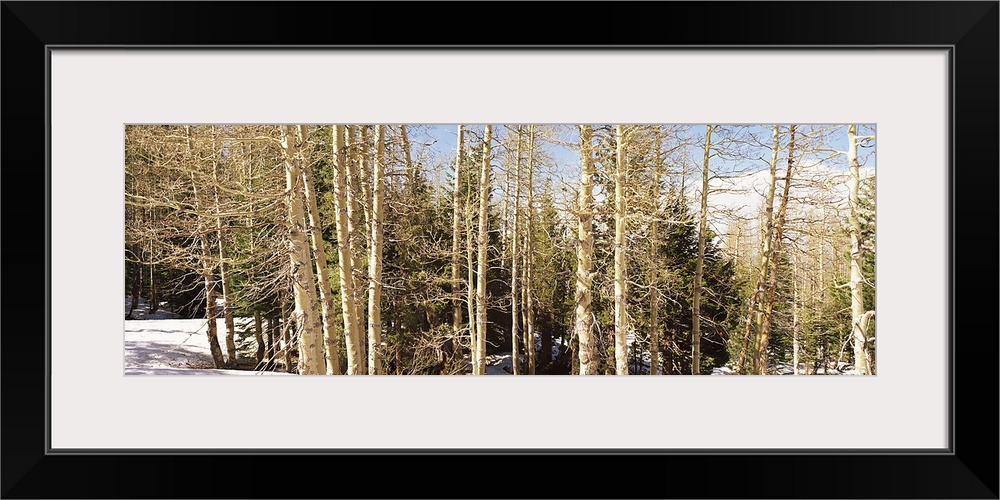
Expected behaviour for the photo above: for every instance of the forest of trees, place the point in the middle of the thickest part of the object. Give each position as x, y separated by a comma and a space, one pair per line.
565, 249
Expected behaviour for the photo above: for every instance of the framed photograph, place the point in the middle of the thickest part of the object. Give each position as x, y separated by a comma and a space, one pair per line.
97, 90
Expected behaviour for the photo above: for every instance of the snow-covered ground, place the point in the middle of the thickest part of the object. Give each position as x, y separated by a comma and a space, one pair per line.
842, 369
499, 364
161, 344
142, 308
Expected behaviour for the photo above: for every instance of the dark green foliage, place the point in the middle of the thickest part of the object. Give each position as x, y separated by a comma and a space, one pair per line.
866, 202
553, 284
828, 329
678, 253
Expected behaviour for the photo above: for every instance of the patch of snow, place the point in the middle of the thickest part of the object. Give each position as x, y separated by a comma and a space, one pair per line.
142, 308
190, 371
180, 346
499, 364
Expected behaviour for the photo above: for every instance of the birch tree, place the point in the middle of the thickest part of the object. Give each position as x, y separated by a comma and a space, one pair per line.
515, 277
529, 255
471, 291
355, 235
654, 292
760, 364
352, 322
621, 279
583, 316
859, 317
456, 217
700, 263
375, 260
753, 319
224, 276
211, 312
306, 314
322, 272
484, 198
795, 315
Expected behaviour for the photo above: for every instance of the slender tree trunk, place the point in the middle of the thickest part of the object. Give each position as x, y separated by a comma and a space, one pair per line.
574, 349
654, 333
136, 284
484, 200
227, 299
411, 172
760, 365
544, 357
364, 174
583, 317
211, 316
528, 313
668, 355
822, 266
795, 315
700, 263
621, 315
154, 300
469, 262
327, 311
206, 268
456, 217
375, 260
286, 335
308, 325
348, 307
355, 241
272, 351
765, 256
858, 333
654, 302
258, 333
529, 258
504, 212
515, 299
470, 291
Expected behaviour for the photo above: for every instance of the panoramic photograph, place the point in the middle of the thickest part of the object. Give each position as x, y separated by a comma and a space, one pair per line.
496, 249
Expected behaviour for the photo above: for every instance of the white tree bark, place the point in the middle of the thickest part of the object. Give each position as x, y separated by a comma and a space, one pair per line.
760, 364
700, 263
227, 298
328, 313
767, 228
411, 172
352, 323
286, 340
258, 335
859, 334
515, 299
484, 200
795, 315
207, 271
470, 265
621, 315
583, 315
356, 238
307, 321
375, 259
654, 291
529, 259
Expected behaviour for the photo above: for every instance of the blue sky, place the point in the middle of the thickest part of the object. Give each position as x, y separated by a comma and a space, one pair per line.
736, 189
444, 137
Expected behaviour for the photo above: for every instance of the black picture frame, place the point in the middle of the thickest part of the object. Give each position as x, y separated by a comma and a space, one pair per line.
968, 470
